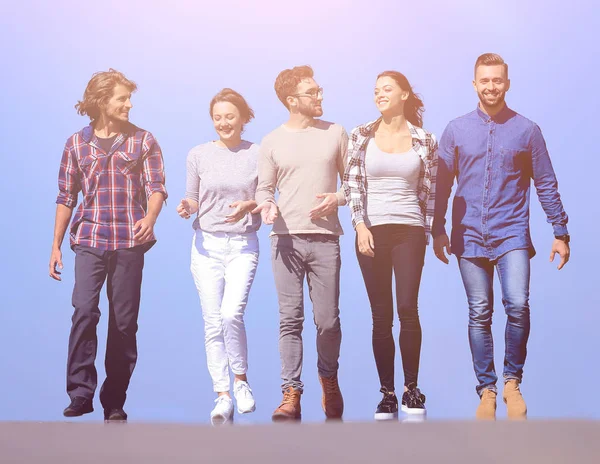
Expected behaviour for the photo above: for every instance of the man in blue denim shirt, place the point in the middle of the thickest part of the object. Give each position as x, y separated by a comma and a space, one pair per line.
494, 152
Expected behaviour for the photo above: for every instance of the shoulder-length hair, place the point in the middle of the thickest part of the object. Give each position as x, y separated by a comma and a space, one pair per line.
99, 90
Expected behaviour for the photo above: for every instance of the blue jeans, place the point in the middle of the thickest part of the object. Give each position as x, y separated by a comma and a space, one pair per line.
513, 273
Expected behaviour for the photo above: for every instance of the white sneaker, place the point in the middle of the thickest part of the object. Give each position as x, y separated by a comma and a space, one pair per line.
223, 411
243, 397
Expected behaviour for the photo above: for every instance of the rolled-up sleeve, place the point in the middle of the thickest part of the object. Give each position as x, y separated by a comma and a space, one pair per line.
153, 168
68, 180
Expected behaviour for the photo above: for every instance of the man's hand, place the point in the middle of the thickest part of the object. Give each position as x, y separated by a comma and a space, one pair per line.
328, 206
364, 237
184, 209
439, 243
241, 208
268, 212
145, 229
55, 260
562, 248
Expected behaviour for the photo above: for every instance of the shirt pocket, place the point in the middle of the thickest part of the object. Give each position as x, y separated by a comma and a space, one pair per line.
128, 162
90, 172
511, 159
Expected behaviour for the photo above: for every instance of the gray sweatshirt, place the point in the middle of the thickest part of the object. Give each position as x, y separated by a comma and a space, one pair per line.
216, 177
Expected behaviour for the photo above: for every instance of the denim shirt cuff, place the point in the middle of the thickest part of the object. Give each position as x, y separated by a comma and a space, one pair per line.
560, 229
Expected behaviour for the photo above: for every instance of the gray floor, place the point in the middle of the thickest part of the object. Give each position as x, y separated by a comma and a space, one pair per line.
573, 442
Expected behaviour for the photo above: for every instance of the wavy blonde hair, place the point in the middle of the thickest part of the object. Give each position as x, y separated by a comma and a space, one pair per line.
99, 90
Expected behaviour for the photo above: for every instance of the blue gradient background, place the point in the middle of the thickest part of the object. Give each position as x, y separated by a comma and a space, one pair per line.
181, 53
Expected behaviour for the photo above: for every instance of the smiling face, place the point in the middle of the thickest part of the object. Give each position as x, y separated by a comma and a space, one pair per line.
491, 84
389, 96
227, 120
116, 109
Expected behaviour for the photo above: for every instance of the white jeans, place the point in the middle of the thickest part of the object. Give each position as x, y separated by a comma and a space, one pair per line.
223, 266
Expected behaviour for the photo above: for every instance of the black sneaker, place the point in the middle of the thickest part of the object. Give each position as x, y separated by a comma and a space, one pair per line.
115, 415
387, 409
78, 407
413, 401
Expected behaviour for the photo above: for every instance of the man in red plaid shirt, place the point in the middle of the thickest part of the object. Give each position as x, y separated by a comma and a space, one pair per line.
119, 170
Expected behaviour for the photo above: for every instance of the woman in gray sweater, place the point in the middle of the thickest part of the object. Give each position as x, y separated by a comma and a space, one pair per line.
389, 184
221, 183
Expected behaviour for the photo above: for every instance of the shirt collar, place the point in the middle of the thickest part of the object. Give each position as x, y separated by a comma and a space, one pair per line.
88, 136
502, 116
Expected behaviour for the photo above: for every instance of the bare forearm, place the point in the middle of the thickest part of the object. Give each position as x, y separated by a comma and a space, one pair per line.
155, 203
61, 222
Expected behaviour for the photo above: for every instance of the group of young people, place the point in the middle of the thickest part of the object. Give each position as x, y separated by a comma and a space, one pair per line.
396, 180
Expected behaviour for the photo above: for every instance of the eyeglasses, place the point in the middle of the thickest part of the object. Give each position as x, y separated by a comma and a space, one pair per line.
312, 93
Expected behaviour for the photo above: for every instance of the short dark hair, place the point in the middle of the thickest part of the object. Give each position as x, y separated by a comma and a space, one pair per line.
490, 59
287, 81
236, 99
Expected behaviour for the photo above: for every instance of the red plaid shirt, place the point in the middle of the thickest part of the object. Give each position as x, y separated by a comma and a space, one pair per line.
115, 186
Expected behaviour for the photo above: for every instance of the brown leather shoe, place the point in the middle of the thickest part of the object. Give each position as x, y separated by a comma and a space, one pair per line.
289, 409
332, 401
515, 404
487, 406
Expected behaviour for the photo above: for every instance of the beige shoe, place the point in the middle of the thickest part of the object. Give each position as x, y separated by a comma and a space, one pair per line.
515, 404
487, 406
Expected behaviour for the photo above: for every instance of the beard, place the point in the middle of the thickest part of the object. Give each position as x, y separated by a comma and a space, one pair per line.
118, 117
313, 110
490, 100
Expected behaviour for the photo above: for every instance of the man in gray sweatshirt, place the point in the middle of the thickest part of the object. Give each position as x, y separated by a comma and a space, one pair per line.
302, 160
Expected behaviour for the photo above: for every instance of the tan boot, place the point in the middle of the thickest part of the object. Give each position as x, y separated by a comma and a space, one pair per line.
515, 404
289, 409
487, 406
332, 401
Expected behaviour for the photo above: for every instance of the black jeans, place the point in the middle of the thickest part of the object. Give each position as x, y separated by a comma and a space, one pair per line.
399, 248
122, 269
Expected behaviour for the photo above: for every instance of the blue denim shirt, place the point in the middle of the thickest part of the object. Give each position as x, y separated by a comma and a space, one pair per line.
493, 160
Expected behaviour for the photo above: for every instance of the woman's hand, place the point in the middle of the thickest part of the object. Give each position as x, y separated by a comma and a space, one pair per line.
366, 244
186, 208
240, 209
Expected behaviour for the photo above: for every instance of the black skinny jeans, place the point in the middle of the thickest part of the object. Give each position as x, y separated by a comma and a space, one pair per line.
399, 248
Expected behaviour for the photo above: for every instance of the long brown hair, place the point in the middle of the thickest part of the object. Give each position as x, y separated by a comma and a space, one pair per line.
413, 108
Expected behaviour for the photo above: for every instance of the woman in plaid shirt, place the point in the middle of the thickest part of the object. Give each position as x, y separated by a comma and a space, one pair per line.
389, 184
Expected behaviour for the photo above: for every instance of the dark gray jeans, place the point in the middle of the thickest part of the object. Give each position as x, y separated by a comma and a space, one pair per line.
316, 256
122, 270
